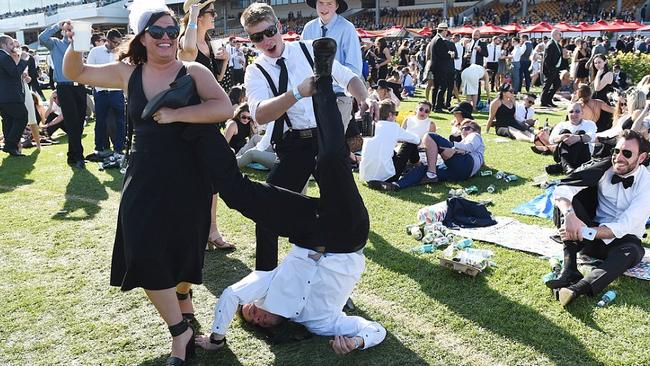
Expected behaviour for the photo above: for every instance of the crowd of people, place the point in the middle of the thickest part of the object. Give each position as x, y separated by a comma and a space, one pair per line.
52, 9
201, 109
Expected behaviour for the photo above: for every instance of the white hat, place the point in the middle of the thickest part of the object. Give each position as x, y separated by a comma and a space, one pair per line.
141, 11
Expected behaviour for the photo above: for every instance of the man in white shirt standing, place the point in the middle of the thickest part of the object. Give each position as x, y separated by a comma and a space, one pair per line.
279, 85
458, 63
492, 62
237, 62
348, 51
610, 198
517, 50
379, 163
107, 100
313, 283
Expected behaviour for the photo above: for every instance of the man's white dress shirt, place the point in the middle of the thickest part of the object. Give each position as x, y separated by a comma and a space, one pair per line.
377, 152
100, 55
301, 114
523, 113
305, 291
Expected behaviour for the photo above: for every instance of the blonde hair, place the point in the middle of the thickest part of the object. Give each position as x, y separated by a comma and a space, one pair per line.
257, 13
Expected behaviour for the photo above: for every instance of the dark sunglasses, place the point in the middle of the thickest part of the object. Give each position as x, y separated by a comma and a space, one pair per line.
157, 32
423, 110
210, 11
245, 117
624, 104
626, 153
575, 111
466, 128
259, 36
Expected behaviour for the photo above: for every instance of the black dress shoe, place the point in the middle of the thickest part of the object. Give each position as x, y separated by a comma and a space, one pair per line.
324, 54
13, 152
79, 164
567, 278
380, 185
554, 169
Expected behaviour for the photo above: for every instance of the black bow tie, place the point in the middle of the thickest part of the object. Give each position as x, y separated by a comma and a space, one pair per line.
627, 182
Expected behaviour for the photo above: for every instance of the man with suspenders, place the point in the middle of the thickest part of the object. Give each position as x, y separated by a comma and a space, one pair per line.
275, 84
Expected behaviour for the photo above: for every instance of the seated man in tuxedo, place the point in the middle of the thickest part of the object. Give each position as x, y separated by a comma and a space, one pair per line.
610, 197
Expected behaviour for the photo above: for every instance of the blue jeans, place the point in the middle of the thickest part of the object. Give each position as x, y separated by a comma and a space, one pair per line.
105, 101
457, 168
516, 77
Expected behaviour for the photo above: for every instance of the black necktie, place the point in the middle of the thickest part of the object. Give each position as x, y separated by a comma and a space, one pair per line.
324, 31
627, 182
278, 129
526, 115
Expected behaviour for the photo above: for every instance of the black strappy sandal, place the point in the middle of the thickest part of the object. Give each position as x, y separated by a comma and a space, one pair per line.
176, 330
189, 317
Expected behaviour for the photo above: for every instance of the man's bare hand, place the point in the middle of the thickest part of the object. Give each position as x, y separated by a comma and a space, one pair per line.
572, 228
203, 341
343, 345
308, 87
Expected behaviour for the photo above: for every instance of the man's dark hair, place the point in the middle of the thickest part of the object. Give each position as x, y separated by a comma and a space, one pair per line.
95, 37
285, 332
644, 145
599, 39
25, 48
524, 37
113, 33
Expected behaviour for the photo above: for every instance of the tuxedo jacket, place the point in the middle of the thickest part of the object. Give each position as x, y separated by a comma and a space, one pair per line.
442, 61
11, 79
481, 55
552, 56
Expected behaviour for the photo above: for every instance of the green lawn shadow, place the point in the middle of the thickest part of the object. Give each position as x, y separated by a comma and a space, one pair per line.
82, 181
474, 300
15, 170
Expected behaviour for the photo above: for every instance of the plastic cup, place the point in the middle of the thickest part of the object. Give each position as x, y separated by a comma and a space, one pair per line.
216, 45
82, 33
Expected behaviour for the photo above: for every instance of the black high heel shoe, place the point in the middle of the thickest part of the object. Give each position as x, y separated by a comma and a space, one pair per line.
176, 330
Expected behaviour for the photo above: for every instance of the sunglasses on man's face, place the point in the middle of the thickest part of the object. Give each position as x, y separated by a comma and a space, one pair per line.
626, 153
157, 32
575, 111
467, 128
424, 110
259, 36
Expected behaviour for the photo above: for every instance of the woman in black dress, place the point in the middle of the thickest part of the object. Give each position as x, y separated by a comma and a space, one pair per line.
601, 82
502, 116
164, 214
580, 58
240, 128
383, 58
194, 45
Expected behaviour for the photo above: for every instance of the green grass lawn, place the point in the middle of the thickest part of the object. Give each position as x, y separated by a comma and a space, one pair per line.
56, 239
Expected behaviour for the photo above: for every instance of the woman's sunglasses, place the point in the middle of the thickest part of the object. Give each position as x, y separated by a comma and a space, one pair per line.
157, 32
423, 110
245, 117
259, 36
466, 128
626, 153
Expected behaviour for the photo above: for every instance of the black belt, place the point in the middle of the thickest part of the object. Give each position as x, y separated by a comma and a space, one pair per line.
340, 94
325, 249
69, 83
302, 134
108, 91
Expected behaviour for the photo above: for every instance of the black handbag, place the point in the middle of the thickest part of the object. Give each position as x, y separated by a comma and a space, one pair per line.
178, 95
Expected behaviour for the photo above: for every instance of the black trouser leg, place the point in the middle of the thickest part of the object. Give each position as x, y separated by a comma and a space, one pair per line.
407, 153
621, 254
14, 120
442, 83
525, 74
343, 218
73, 107
291, 172
549, 90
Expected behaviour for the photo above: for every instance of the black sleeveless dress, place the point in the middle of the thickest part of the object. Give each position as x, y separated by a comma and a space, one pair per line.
215, 66
164, 214
606, 119
238, 140
505, 117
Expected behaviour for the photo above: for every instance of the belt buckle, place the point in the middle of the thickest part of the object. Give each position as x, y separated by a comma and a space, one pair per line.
305, 134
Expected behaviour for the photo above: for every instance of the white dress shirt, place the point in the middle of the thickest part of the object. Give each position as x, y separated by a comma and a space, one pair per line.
473, 144
585, 125
377, 152
418, 127
517, 51
624, 211
523, 113
305, 291
100, 55
301, 114
460, 51
472, 44
494, 52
